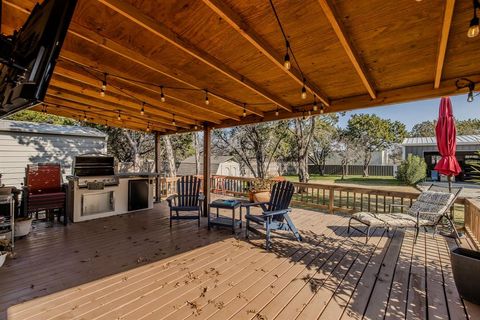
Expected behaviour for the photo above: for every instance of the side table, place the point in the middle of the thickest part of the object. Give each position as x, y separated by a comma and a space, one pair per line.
223, 221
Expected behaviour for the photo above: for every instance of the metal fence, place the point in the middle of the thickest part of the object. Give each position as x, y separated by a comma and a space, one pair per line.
373, 170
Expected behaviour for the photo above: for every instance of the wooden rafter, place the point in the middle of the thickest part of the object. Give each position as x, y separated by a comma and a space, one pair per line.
236, 22
339, 29
442, 47
132, 13
206, 113
136, 57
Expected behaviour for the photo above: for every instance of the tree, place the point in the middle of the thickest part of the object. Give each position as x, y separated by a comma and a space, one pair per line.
423, 129
301, 133
468, 127
346, 148
42, 117
412, 170
371, 133
196, 146
254, 146
322, 140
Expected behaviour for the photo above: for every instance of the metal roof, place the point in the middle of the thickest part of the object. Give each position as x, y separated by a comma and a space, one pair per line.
45, 128
426, 141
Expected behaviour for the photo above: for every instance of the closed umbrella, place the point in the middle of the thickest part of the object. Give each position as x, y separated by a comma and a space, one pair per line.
447, 141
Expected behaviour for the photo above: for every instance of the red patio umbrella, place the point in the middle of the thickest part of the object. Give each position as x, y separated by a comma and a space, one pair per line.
447, 140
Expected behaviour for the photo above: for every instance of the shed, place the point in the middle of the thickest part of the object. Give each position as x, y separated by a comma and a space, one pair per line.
426, 147
24, 143
220, 165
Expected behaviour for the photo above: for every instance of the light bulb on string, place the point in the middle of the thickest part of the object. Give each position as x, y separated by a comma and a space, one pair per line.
304, 91
173, 121
321, 108
85, 117
276, 112
315, 107
286, 61
142, 111
103, 89
471, 89
148, 127
119, 117
162, 96
195, 127
244, 110
474, 28
207, 102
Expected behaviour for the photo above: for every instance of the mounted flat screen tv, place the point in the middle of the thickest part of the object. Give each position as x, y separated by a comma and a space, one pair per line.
27, 58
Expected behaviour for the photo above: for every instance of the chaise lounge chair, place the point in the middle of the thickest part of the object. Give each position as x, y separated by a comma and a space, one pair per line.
275, 215
427, 211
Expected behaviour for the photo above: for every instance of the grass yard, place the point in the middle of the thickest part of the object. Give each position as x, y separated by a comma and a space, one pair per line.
359, 180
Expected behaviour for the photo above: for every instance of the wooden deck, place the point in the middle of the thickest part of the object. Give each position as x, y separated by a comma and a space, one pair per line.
135, 267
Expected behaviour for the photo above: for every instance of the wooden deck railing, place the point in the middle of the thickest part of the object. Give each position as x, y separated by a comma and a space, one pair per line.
337, 198
472, 220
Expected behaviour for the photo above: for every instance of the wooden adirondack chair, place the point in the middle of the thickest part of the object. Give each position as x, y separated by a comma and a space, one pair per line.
188, 198
275, 215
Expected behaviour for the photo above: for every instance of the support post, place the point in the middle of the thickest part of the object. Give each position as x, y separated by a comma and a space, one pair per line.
206, 167
158, 193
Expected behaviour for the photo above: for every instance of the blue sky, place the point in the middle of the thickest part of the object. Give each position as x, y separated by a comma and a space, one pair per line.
415, 112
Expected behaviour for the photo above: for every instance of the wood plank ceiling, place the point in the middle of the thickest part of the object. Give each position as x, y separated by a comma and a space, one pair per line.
352, 54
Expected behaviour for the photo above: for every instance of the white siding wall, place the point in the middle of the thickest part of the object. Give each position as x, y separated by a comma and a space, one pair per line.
17, 149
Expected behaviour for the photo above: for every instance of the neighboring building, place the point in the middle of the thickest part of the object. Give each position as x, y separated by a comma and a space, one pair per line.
219, 165
25, 143
378, 158
426, 147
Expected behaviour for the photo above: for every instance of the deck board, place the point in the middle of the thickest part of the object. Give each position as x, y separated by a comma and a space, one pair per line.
136, 267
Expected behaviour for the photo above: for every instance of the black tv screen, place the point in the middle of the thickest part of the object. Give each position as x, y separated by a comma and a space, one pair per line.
28, 57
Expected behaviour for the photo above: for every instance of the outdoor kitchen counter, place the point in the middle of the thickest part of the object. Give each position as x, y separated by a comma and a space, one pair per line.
136, 174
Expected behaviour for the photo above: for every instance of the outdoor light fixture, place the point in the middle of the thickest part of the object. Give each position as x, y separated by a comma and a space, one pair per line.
162, 96
276, 112
119, 118
466, 83
195, 127
286, 61
148, 127
142, 111
321, 108
315, 107
173, 121
207, 102
104, 86
474, 28
304, 92
85, 117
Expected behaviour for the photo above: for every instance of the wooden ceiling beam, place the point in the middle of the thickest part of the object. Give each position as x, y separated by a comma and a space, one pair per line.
115, 102
237, 23
164, 106
442, 47
137, 16
112, 114
136, 57
338, 28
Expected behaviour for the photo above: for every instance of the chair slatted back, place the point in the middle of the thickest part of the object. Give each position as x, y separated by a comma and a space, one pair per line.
188, 190
282, 193
43, 178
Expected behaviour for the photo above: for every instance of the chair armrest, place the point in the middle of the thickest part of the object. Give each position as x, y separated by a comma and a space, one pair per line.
277, 212
201, 197
393, 205
171, 198
254, 204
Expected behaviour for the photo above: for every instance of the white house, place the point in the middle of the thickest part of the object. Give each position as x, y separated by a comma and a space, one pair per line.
25, 143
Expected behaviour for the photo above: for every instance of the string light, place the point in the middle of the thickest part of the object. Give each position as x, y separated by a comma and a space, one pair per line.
315, 107
85, 116
304, 91
244, 110
142, 111
119, 117
173, 121
286, 61
471, 88
103, 89
276, 112
466, 83
162, 96
322, 108
195, 127
148, 127
207, 102
474, 28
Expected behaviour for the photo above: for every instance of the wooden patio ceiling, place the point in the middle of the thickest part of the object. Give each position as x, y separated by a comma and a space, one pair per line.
353, 54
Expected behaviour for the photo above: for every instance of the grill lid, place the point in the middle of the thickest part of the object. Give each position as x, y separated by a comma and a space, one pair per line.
85, 166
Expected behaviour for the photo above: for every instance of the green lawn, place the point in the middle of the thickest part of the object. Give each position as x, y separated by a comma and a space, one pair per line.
372, 180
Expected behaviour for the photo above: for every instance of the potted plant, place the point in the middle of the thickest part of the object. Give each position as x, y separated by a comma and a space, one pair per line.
23, 226
4, 244
259, 190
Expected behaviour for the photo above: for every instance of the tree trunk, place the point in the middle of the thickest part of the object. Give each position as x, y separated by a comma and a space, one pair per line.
170, 158
196, 146
366, 162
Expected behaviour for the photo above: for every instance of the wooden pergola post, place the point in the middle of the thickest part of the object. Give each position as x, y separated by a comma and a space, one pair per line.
157, 167
206, 167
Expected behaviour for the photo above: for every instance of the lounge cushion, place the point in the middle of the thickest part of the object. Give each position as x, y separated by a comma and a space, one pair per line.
433, 202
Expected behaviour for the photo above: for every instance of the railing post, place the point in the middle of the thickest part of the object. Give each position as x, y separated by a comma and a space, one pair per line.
331, 199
